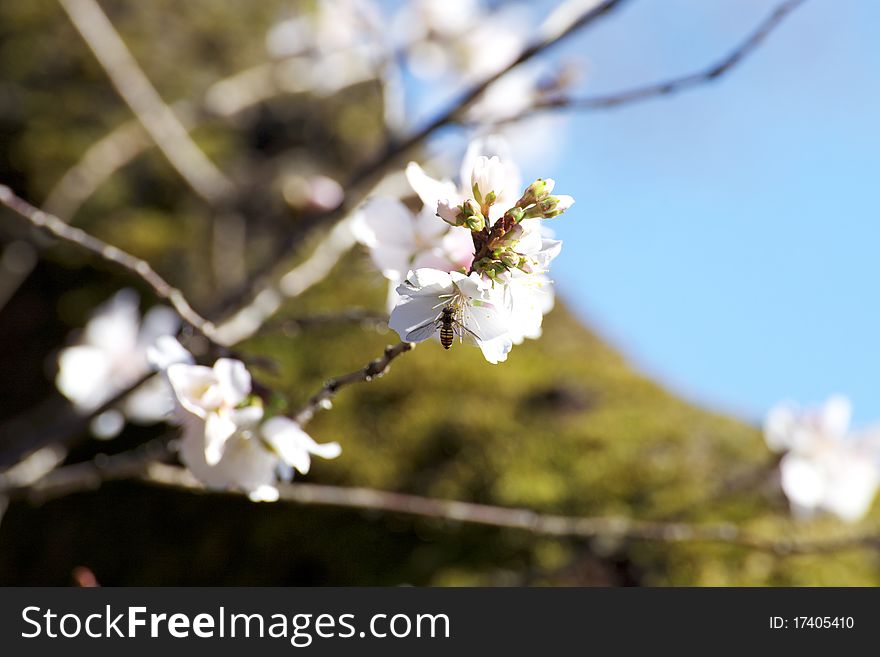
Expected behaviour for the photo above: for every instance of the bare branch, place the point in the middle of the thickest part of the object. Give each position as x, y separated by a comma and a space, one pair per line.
548, 39
141, 464
131, 264
143, 99
248, 319
675, 85
375, 369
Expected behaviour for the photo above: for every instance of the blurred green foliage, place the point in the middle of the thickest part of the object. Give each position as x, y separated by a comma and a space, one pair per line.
565, 426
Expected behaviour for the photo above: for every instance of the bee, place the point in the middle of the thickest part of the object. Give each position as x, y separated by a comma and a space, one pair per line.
448, 322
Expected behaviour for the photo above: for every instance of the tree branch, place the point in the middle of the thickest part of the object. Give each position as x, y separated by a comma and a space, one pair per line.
139, 94
141, 464
129, 263
375, 369
675, 85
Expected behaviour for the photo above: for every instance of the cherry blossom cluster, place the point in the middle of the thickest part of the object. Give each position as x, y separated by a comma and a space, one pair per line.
226, 441
825, 465
477, 248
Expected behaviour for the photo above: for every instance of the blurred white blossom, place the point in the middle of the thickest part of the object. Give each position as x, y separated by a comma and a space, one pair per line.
825, 466
224, 444
110, 357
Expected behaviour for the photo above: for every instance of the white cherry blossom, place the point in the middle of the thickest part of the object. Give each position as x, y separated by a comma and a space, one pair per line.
218, 397
530, 298
110, 357
825, 466
223, 442
479, 309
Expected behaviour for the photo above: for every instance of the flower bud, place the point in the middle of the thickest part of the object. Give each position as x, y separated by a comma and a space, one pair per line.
510, 259
552, 206
472, 215
556, 205
487, 178
508, 239
536, 192
451, 214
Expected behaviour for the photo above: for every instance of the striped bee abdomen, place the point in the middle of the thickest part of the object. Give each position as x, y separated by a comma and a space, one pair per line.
446, 336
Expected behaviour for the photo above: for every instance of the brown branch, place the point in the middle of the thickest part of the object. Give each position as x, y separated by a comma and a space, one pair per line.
675, 85
141, 465
129, 263
375, 369
542, 44
65, 426
145, 102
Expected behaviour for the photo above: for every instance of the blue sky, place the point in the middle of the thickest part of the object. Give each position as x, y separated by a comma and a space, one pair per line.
723, 238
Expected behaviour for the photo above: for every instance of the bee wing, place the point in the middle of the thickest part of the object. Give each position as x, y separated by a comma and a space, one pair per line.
422, 332
462, 329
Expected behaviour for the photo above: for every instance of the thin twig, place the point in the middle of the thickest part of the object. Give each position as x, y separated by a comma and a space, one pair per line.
248, 318
136, 90
375, 369
546, 41
675, 85
131, 264
66, 425
140, 464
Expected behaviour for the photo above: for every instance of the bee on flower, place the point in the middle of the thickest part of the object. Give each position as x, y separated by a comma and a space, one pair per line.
492, 288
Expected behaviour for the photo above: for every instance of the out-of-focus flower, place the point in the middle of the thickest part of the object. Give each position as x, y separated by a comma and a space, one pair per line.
220, 397
825, 465
225, 445
478, 310
457, 37
111, 356
333, 26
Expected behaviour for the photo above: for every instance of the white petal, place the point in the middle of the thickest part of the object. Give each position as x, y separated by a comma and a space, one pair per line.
458, 245
167, 351
383, 221
159, 321
428, 227
428, 282
852, 487
190, 382
495, 351
779, 427
430, 190
233, 380
84, 376
803, 482
218, 429
247, 417
294, 445
114, 326
489, 146
392, 260
835, 416
152, 402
